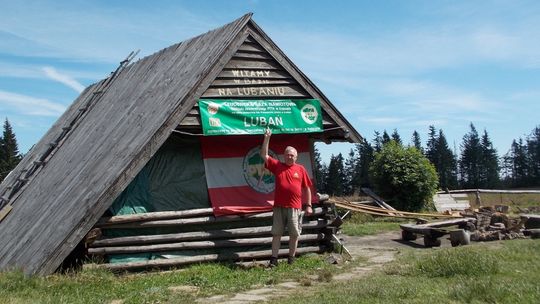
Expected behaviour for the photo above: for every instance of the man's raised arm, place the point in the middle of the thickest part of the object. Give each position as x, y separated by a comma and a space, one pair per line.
266, 142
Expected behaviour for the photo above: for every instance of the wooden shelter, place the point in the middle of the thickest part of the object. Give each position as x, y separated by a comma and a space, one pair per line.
70, 178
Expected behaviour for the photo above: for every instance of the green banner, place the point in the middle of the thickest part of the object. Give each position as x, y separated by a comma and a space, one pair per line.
235, 117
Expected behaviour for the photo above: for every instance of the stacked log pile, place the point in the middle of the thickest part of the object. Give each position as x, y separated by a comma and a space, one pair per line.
194, 236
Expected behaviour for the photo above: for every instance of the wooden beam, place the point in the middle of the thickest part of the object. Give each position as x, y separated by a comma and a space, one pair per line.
196, 235
200, 245
194, 221
174, 262
130, 218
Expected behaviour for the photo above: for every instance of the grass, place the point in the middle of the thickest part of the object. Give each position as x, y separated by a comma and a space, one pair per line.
100, 286
360, 224
513, 200
506, 273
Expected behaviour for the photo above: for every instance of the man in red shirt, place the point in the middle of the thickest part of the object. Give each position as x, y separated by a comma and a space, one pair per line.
292, 182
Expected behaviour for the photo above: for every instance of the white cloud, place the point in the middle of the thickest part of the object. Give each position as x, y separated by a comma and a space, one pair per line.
34, 71
91, 31
64, 79
416, 49
28, 105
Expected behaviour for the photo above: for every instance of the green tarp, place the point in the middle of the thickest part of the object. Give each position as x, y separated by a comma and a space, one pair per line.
172, 180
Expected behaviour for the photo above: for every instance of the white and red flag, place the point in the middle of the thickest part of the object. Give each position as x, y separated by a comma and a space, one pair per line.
237, 180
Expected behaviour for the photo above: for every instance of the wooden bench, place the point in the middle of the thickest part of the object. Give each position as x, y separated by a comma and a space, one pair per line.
434, 230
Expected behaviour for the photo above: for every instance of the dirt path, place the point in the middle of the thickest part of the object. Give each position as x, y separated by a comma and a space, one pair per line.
377, 250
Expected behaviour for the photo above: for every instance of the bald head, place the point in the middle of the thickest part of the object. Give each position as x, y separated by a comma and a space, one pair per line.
290, 155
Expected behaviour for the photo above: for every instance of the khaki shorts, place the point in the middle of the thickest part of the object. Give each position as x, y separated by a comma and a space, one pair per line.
290, 217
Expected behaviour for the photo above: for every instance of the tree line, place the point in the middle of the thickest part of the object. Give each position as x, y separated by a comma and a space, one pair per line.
9, 151
477, 165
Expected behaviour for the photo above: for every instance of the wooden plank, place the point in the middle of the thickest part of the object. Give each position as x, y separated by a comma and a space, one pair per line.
253, 64
251, 47
190, 121
494, 191
253, 73
377, 199
250, 39
4, 211
386, 212
251, 55
252, 82
259, 92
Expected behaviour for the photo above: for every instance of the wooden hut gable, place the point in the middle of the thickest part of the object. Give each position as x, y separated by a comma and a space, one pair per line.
260, 70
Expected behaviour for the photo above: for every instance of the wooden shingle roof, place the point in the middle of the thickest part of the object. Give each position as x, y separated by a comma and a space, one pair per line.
72, 175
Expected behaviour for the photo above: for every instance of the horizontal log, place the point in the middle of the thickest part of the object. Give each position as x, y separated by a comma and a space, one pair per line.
196, 235
174, 262
193, 221
491, 191
200, 245
129, 218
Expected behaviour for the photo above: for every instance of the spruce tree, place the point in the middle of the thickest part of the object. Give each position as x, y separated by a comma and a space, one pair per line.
9, 155
446, 165
385, 138
417, 143
518, 163
3, 165
533, 156
377, 141
335, 178
431, 145
365, 158
396, 137
318, 173
349, 170
471, 159
490, 163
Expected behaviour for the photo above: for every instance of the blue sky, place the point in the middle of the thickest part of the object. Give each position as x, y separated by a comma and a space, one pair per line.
389, 65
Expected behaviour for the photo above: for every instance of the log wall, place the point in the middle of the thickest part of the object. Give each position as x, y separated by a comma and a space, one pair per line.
194, 237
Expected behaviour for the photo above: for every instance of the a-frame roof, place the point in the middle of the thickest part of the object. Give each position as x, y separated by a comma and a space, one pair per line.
72, 175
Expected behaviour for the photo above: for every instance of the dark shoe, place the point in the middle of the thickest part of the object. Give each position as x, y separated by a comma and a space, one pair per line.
290, 260
273, 262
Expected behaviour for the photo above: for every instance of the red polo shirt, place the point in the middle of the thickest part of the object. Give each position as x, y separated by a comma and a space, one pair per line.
289, 183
